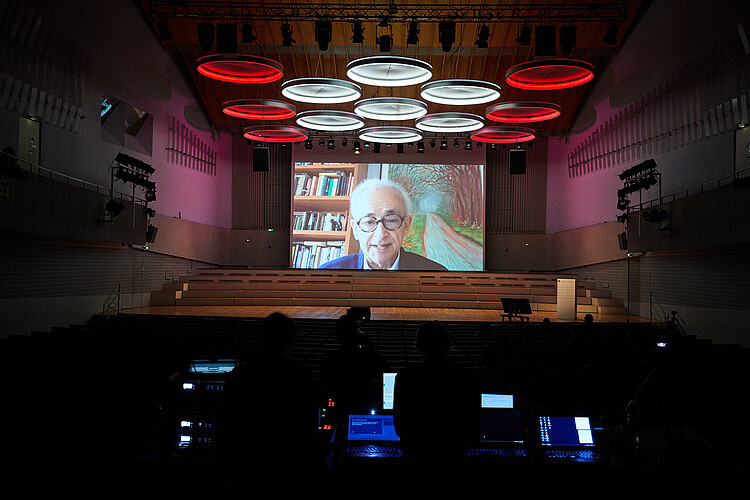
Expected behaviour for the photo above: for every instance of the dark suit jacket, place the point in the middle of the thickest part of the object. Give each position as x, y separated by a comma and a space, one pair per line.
409, 262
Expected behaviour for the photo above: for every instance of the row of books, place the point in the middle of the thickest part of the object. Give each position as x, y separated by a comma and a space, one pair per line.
313, 254
326, 183
320, 221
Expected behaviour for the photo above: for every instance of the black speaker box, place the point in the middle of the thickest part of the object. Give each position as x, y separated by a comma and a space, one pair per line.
226, 38
622, 240
151, 233
359, 313
517, 160
261, 162
544, 41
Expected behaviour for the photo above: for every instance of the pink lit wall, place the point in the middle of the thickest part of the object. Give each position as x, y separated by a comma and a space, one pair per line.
667, 94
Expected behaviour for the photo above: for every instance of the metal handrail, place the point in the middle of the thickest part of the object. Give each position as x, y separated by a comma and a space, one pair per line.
111, 306
669, 319
45, 172
706, 186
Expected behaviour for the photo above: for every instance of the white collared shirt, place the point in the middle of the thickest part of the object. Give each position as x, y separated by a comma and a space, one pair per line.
392, 268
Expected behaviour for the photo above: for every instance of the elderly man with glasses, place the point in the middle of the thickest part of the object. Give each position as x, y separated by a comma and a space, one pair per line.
381, 216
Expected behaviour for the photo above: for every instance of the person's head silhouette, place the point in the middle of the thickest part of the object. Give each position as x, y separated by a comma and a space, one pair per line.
433, 341
277, 331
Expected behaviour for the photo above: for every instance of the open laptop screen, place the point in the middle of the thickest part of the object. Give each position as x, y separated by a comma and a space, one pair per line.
371, 428
500, 425
565, 431
389, 383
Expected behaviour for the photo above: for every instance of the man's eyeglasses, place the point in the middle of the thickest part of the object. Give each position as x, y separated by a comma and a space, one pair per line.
391, 222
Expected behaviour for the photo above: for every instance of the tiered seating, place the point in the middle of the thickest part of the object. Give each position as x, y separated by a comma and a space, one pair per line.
241, 287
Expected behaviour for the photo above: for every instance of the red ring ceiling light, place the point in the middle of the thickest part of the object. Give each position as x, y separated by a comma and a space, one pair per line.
523, 111
259, 109
554, 74
274, 133
504, 135
241, 69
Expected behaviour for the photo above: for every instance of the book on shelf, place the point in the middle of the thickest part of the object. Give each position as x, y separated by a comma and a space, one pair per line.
312, 254
320, 221
326, 183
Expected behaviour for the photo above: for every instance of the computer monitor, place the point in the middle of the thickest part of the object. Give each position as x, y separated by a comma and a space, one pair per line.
389, 383
497, 401
565, 431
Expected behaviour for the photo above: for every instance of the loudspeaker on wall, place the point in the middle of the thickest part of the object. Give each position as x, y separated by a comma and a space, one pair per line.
261, 161
622, 240
151, 233
226, 38
517, 160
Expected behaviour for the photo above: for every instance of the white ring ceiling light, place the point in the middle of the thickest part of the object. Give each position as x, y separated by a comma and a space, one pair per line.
390, 108
460, 92
389, 71
321, 90
390, 134
330, 120
446, 123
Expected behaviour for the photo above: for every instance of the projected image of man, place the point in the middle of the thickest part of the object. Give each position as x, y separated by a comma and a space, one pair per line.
381, 217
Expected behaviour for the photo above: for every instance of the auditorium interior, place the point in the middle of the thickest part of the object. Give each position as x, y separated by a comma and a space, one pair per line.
142, 249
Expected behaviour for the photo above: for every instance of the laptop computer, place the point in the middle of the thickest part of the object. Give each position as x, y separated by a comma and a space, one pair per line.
567, 439
372, 436
500, 427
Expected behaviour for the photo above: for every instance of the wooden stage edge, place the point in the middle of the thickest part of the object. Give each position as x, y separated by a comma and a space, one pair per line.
377, 313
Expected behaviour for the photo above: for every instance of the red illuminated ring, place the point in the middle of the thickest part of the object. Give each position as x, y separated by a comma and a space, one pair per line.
241, 69
274, 133
504, 135
259, 109
550, 75
523, 112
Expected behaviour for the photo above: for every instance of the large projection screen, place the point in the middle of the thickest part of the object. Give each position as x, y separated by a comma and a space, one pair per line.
445, 223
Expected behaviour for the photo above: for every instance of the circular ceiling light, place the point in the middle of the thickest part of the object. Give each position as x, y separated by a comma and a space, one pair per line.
506, 135
395, 135
321, 90
458, 92
449, 122
243, 68
330, 120
550, 75
274, 133
390, 108
523, 111
259, 109
389, 71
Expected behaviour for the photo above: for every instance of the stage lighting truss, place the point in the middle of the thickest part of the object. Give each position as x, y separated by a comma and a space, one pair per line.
460, 92
330, 120
390, 108
321, 90
447, 123
243, 68
389, 71
136, 172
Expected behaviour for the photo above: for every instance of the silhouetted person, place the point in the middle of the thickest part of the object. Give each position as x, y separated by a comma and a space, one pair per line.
354, 372
435, 410
268, 417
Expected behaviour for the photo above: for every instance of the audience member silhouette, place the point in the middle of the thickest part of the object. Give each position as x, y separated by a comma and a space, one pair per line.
436, 410
268, 416
353, 373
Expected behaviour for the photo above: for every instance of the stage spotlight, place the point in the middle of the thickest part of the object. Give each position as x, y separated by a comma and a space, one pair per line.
164, 33
455, 143
611, 36
286, 35
150, 195
376, 148
367, 144
344, 142
420, 147
447, 34
322, 142
206, 33
384, 22
400, 148
638, 169
479, 145
432, 143
493, 147
384, 43
467, 146
358, 32
323, 30
308, 144
412, 36
331, 144
484, 35
567, 39
525, 37
443, 145
247, 33
356, 150
114, 208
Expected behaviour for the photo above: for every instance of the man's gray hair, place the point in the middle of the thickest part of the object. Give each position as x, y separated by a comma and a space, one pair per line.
368, 185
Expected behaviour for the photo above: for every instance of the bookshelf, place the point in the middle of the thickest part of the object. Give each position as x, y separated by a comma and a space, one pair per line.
320, 213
